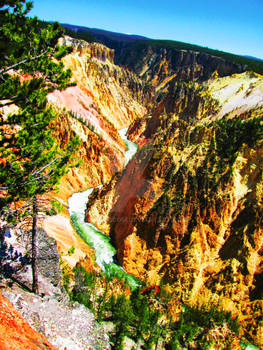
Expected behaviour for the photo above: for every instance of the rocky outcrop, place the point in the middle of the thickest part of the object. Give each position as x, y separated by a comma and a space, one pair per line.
15, 259
15, 332
118, 94
187, 209
64, 324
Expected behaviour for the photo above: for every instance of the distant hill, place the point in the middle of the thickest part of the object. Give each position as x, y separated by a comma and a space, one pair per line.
253, 58
108, 38
129, 43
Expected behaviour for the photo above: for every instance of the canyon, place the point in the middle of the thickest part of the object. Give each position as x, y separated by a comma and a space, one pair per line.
186, 211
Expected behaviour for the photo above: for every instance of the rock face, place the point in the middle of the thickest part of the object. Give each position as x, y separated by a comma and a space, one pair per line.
117, 93
187, 211
15, 262
15, 332
65, 325
106, 98
159, 65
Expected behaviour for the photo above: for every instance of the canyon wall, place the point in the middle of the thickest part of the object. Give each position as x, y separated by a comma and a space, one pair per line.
109, 97
158, 63
118, 94
105, 98
187, 210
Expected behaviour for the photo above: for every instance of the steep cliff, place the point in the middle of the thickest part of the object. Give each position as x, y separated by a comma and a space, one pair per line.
118, 94
160, 61
101, 150
106, 98
187, 211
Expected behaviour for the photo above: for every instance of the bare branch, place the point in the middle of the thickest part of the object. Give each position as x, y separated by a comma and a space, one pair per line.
46, 166
34, 174
7, 103
8, 133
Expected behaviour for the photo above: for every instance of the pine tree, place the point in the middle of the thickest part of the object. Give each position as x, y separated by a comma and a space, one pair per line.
31, 162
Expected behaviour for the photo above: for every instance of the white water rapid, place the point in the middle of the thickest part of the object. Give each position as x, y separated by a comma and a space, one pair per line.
131, 146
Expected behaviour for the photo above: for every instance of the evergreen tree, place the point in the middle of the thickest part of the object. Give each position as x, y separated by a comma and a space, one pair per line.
31, 162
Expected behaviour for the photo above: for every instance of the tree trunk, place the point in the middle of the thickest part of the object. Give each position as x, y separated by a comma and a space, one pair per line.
34, 248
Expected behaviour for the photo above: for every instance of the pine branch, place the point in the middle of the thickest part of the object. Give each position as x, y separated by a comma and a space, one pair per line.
6, 188
4, 70
16, 210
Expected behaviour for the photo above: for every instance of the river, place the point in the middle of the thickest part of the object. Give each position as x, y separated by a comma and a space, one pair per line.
104, 251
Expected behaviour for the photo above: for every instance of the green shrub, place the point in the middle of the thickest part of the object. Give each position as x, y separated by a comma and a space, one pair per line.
144, 315
194, 326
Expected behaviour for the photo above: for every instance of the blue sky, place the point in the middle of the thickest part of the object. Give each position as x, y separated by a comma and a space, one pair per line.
230, 25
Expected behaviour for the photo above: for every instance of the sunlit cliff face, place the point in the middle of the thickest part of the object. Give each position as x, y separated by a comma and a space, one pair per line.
117, 93
106, 98
187, 210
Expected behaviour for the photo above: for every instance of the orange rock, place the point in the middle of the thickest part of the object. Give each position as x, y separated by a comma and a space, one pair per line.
15, 332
